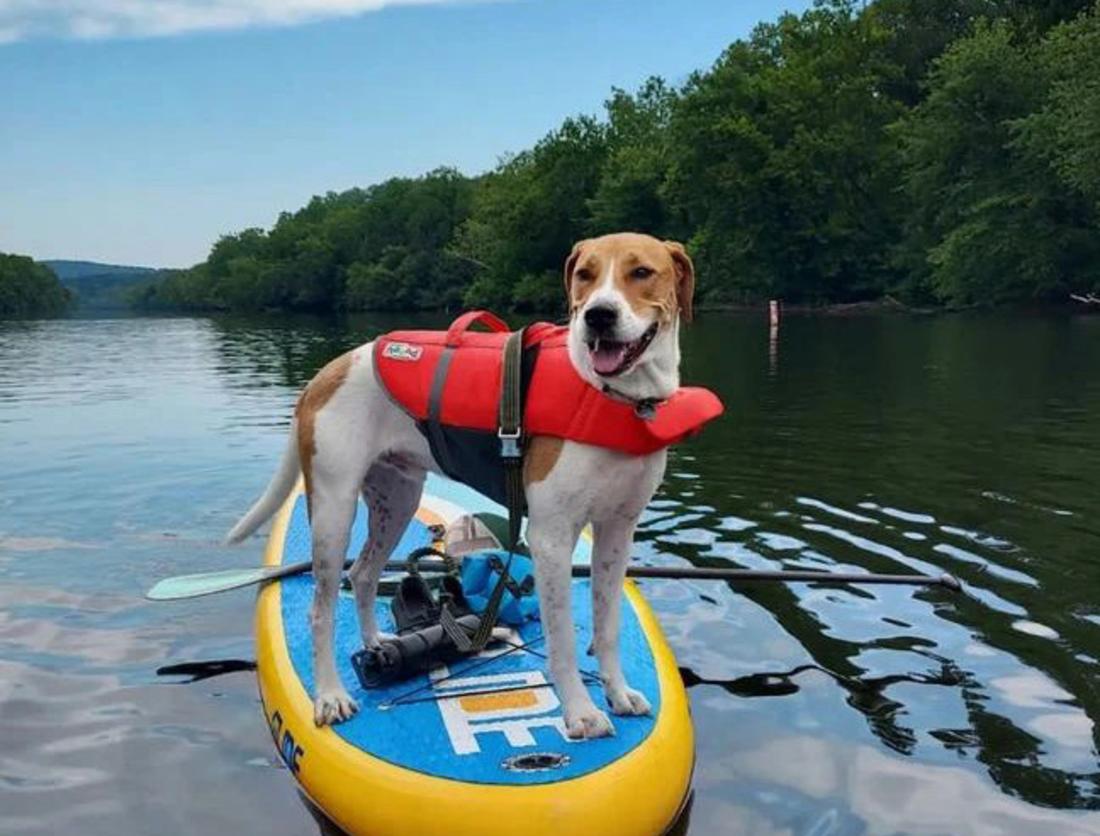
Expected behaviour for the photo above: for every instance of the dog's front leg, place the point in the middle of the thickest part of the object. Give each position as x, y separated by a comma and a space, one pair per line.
552, 537
610, 557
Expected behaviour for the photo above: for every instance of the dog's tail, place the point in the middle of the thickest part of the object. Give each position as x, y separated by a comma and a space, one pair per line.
278, 489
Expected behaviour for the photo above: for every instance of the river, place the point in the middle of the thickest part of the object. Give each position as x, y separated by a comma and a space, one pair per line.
960, 443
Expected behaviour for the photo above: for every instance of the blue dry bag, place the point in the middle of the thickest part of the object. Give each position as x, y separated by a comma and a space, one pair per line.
482, 570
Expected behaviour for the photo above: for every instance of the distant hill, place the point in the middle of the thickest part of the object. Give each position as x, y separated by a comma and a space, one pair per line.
98, 286
68, 270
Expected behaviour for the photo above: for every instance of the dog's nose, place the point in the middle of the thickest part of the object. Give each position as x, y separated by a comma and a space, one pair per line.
601, 318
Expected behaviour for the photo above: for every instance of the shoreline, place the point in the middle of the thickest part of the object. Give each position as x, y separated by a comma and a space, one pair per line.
890, 305
886, 305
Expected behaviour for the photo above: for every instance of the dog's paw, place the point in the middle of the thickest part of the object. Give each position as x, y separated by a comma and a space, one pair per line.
331, 707
627, 701
587, 723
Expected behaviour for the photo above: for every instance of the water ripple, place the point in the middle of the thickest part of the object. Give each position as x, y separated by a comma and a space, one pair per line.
871, 444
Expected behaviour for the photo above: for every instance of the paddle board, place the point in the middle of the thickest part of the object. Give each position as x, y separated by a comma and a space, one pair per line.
477, 748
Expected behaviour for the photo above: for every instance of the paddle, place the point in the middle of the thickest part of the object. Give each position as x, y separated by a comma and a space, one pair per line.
208, 583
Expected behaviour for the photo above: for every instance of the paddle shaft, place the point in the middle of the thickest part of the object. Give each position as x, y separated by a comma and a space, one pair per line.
701, 573
194, 586
787, 575
716, 573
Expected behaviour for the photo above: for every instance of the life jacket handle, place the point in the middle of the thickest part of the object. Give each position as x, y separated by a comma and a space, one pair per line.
461, 325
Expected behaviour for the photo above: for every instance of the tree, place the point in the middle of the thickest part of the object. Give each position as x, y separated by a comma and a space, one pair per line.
942, 150
783, 170
629, 194
30, 289
379, 248
527, 214
1066, 129
989, 221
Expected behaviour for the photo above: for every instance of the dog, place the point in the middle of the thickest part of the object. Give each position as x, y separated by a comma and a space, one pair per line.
627, 294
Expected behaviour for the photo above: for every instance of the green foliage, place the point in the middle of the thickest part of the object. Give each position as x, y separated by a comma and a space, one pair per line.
783, 167
942, 150
527, 214
30, 289
991, 220
1066, 130
384, 247
918, 31
629, 193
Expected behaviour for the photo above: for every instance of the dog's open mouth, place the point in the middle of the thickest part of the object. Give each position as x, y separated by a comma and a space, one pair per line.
610, 357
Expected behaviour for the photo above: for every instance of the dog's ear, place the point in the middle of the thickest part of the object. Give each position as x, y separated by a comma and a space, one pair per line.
570, 263
685, 278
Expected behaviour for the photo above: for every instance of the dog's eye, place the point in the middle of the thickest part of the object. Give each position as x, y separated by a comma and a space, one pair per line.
583, 275
641, 273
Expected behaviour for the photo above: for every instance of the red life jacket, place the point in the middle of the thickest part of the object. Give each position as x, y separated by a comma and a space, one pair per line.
450, 383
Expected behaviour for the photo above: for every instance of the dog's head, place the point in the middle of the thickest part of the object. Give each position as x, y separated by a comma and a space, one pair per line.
627, 293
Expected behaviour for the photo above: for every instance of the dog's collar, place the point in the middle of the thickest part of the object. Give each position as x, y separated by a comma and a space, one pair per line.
644, 408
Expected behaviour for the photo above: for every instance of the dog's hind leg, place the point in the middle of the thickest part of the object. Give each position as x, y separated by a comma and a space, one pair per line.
392, 495
332, 509
610, 556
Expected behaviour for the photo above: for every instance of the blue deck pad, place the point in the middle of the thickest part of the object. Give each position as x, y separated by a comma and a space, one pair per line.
466, 738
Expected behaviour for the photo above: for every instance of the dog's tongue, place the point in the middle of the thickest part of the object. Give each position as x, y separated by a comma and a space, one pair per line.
608, 356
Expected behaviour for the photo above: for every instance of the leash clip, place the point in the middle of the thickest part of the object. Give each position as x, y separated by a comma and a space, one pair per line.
644, 408
509, 443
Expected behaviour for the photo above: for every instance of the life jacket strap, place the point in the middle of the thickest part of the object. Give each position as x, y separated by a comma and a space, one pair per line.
510, 433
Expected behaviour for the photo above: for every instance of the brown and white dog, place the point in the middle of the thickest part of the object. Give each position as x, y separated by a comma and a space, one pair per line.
627, 293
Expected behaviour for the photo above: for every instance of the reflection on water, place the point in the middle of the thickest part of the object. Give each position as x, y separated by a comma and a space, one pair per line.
867, 695
960, 444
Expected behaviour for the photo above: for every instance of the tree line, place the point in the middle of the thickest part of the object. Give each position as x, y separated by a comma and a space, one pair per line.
939, 151
30, 289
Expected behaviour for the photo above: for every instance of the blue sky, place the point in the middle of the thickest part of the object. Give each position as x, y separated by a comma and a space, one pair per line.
138, 132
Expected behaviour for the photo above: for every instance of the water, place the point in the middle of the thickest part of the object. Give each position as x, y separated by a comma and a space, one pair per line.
961, 444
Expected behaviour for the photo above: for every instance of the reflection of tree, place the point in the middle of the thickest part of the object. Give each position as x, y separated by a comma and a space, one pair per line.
867, 695
1014, 757
287, 350
931, 415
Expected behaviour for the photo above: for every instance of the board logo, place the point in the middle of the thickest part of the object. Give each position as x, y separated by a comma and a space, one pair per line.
474, 705
288, 748
512, 704
403, 351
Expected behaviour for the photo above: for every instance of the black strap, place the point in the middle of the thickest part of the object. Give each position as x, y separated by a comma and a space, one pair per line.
518, 590
510, 433
436, 436
455, 632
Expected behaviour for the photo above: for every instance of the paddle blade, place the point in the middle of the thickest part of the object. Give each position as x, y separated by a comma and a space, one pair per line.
206, 583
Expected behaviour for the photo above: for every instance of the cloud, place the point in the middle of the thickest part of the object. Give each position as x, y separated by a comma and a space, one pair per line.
96, 19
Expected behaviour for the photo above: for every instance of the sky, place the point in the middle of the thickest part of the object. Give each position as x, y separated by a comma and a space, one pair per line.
138, 131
